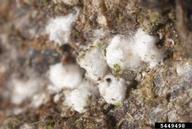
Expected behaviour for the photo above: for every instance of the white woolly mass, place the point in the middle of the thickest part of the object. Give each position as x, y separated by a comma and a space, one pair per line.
78, 99
59, 28
113, 89
121, 52
65, 76
130, 53
23, 90
94, 63
145, 47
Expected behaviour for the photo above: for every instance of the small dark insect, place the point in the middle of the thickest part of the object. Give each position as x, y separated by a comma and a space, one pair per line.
108, 80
